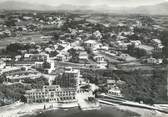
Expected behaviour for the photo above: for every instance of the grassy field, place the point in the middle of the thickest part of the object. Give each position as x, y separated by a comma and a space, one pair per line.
23, 39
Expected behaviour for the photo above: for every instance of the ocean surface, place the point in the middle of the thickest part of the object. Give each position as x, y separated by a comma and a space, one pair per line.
105, 111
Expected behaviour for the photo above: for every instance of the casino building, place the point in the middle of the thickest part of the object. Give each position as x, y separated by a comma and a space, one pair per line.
53, 93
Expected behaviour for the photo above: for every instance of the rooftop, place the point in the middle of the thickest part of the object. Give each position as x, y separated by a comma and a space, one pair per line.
90, 41
146, 47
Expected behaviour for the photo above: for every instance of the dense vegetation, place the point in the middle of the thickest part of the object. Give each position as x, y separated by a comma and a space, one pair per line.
136, 52
164, 39
15, 92
148, 86
75, 56
11, 93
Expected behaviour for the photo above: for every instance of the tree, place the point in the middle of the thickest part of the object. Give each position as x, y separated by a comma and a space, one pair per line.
75, 55
2, 78
37, 83
53, 54
23, 99
46, 65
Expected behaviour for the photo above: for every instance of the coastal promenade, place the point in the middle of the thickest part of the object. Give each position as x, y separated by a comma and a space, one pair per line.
21, 109
141, 109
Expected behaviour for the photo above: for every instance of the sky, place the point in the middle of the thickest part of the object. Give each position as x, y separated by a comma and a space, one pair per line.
115, 3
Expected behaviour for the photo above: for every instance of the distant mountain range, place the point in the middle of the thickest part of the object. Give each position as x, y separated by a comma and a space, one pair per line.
159, 9
14, 5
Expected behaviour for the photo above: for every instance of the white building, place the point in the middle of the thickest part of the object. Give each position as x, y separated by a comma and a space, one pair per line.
52, 93
97, 34
158, 48
39, 65
2, 64
63, 57
152, 60
156, 42
36, 57
99, 59
18, 57
136, 43
83, 55
90, 44
101, 63
115, 91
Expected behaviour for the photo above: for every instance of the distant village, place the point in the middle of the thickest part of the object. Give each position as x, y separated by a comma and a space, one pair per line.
50, 56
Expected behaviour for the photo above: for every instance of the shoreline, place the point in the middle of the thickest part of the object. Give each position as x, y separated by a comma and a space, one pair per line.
21, 109
75, 112
143, 112
24, 110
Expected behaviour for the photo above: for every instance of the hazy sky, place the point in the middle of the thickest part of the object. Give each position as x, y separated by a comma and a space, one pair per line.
130, 3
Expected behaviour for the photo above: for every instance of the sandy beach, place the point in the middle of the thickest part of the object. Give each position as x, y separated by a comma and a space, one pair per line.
21, 109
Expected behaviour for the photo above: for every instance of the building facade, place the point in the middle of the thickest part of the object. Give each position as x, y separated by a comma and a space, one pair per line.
69, 79
52, 93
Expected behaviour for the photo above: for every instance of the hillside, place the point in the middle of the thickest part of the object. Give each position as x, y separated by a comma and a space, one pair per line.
13, 5
159, 9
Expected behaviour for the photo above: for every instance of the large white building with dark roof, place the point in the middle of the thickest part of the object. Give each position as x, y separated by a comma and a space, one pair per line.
52, 93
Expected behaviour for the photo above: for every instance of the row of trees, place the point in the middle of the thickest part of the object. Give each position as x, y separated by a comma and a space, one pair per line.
13, 49
164, 39
136, 52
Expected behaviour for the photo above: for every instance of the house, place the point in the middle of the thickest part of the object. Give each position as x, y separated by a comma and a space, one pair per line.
6, 58
136, 43
27, 17
148, 49
104, 47
121, 38
97, 34
121, 46
18, 57
90, 44
123, 56
83, 55
48, 50
76, 43
36, 57
62, 57
115, 91
156, 42
158, 48
110, 83
100, 60
39, 65
121, 24
64, 44
152, 60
